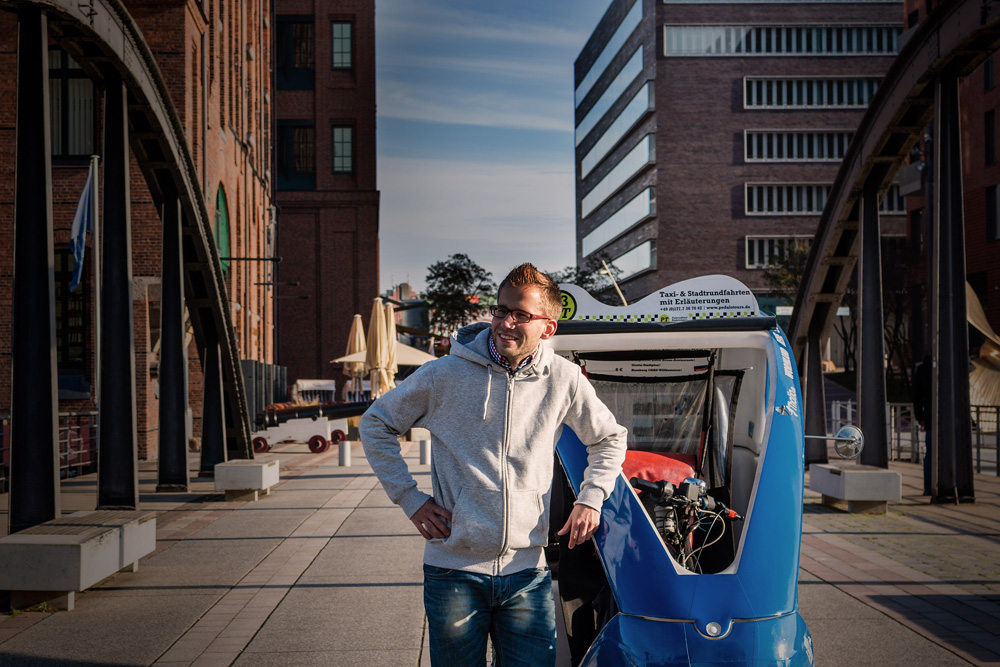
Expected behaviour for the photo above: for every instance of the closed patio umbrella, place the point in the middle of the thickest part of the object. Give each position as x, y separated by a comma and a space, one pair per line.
377, 358
356, 369
390, 334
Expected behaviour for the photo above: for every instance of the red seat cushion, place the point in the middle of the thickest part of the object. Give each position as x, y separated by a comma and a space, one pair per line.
657, 466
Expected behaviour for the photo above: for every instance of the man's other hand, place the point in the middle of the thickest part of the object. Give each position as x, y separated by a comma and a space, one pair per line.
581, 525
428, 521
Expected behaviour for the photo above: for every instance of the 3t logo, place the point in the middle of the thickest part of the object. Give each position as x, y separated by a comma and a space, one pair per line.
568, 306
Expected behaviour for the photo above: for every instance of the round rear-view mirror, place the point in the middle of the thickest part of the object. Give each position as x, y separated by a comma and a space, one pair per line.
849, 442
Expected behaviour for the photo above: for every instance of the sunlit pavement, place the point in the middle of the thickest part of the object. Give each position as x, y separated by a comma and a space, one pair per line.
326, 571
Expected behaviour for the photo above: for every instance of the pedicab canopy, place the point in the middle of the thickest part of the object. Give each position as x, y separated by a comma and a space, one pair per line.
704, 298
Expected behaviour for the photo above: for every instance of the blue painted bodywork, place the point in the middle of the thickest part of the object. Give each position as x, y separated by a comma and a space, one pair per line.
664, 611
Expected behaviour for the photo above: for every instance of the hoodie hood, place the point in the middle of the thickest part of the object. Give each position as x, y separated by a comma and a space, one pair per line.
472, 342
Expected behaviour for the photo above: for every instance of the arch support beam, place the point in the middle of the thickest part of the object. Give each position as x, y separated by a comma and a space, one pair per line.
871, 343
34, 458
815, 450
118, 467
951, 437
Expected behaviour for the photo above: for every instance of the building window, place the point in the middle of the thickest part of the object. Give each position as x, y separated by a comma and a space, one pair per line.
635, 161
295, 57
988, 81
71, 107
222, 227
610, 50
992, 224
343, 149
641, 104
893, 203
641, 207
296, 155
763, 252
625, 77
807, 93
71, 326
636, 260
780, 40
990, 136
790, 146
786, 198
342, 44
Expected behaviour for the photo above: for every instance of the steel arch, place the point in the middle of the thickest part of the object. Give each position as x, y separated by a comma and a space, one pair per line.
103, 38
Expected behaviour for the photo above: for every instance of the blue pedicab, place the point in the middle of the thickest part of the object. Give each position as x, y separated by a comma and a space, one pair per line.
701, 566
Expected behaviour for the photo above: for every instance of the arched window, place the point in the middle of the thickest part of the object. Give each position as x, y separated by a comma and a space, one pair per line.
222, 227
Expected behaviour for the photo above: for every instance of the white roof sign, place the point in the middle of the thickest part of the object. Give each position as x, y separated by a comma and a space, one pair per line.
704, 298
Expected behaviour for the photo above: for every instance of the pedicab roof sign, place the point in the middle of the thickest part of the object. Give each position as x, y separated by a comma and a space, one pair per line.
704, 298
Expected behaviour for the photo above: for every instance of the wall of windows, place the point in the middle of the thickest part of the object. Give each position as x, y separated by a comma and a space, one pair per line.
626, 120
635, 260
342, 45
639, 208
763, 251
71, 107
796, 146
631, 164
296, 155
806, 199
806, 93
610, 50
632, 69
780, 40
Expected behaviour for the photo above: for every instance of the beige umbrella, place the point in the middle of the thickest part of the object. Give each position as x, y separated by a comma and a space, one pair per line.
390, 335
355, 344
406, 355
377, 359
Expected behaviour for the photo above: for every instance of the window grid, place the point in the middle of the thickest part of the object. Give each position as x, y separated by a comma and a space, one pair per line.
763, 251
609, 51
626, 76
793, 146
832, 93
806, 199
343, 149
71, 107
633, 111
342, 46
780, 40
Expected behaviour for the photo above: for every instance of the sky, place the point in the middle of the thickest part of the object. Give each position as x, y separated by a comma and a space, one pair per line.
475, 132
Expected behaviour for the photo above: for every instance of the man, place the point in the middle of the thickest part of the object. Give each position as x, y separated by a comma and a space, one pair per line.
495, 407
922, 409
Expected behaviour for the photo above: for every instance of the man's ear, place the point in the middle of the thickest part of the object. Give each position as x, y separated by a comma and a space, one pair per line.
550, 329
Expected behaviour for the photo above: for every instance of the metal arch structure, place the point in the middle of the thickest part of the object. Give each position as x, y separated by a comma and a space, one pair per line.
104, 39
920, 88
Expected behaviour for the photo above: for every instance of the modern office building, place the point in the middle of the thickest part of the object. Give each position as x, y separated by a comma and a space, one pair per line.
215, 60
327, 197
708, 133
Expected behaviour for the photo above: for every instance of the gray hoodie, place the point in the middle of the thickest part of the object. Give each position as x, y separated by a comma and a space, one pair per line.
493, 438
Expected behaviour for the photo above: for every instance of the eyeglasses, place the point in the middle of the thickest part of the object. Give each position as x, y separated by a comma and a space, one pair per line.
519, 316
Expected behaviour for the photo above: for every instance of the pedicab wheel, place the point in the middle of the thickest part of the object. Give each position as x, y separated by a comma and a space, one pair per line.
337, 437
318, 444
260, 445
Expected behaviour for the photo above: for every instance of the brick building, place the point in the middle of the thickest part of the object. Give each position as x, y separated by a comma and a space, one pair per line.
979, 98
215, 58
708, 145
325, 176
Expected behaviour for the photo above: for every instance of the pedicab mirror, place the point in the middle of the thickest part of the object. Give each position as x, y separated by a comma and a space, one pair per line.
849, 442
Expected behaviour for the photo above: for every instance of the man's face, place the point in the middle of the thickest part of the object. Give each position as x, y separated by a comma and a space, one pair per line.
516, 341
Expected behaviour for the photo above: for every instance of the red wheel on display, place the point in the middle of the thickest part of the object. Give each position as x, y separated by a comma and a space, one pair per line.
337, 437
318, 444
260, 445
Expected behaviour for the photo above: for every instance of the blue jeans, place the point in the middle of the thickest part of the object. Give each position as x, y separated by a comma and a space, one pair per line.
516, 610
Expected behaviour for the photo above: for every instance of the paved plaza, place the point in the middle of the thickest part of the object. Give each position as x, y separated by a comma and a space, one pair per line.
326, 571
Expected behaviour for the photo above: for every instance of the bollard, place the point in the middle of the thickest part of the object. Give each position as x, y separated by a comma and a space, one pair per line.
425, 452
345, 453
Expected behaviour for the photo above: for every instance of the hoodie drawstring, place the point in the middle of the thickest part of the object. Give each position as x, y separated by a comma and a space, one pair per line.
489, 385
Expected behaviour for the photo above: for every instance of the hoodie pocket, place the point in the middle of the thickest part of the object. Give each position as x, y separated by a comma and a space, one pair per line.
477, 521
528, 525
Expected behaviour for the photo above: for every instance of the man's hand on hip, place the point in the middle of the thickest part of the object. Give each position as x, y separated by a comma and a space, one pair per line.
428, 521
581, 525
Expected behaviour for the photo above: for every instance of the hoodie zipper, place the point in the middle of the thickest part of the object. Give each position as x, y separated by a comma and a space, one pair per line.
504, 490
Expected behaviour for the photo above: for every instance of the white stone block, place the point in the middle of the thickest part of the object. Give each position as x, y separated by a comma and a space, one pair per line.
862, 488
246, 475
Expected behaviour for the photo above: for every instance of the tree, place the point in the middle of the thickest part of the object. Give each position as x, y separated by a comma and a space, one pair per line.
591, 276
784, 274
457, 291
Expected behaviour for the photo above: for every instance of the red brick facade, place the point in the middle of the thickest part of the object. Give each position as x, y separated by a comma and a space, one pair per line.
215, 60
328, 236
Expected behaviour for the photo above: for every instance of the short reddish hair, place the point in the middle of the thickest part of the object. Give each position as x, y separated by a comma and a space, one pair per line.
527, 275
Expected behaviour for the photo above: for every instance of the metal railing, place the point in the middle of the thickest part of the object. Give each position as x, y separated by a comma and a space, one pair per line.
906, 437
77, 446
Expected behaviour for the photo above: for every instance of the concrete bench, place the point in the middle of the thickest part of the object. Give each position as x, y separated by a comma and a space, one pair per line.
856, 488
245, 479
54, 560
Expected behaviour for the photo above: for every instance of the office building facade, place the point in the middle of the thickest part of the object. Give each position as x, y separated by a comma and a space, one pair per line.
708, 133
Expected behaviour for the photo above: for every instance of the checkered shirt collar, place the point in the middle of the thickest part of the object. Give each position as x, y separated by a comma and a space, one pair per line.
502, 361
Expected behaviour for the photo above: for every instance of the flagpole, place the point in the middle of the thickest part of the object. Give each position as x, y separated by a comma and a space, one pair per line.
94, 159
